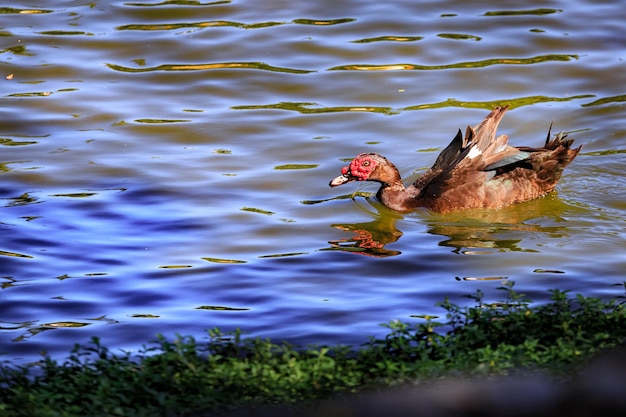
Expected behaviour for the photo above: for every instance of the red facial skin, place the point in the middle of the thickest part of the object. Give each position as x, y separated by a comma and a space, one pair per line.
360, 168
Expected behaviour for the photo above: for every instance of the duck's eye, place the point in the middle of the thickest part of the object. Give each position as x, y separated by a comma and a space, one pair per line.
366, 163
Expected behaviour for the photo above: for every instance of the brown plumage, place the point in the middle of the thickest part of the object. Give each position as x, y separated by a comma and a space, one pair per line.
478, 170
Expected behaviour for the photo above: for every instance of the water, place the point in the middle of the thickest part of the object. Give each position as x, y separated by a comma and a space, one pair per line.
164, 165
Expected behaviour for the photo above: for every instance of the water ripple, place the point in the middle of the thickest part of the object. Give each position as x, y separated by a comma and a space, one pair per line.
532, 12
179, 2
390, 39
12, 10
307, 108
210, 66
207, 24
135, 192
226, 23
469, 64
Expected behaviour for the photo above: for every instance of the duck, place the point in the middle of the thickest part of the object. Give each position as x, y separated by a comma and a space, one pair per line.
478, 170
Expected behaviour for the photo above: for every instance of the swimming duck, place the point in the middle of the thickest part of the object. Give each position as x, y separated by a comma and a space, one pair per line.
478, 170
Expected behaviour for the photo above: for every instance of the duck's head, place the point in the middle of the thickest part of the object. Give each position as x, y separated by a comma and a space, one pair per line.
365, 167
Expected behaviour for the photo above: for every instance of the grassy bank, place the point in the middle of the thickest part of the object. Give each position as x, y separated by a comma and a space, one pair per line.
182, 377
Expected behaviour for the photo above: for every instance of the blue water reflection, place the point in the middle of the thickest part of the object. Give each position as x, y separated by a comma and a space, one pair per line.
164, 167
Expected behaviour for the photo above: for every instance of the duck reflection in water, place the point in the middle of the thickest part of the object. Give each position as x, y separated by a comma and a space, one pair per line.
470, 232
369, 238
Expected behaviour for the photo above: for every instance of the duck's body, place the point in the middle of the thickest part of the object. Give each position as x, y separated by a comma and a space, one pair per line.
478, 170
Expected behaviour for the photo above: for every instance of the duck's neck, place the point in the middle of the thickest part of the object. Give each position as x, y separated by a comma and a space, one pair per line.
392, 192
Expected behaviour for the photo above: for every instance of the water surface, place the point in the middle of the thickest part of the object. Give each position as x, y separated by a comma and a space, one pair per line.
164, 165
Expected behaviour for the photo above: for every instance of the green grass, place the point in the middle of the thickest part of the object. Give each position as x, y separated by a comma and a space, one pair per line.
182, 377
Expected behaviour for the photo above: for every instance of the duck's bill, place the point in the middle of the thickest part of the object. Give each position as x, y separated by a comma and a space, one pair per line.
340, 180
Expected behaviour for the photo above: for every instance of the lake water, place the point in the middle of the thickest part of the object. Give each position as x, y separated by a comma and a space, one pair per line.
164, 165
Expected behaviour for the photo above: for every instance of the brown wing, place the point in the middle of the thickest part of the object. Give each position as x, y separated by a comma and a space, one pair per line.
470, 154
525, 175
482, 170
